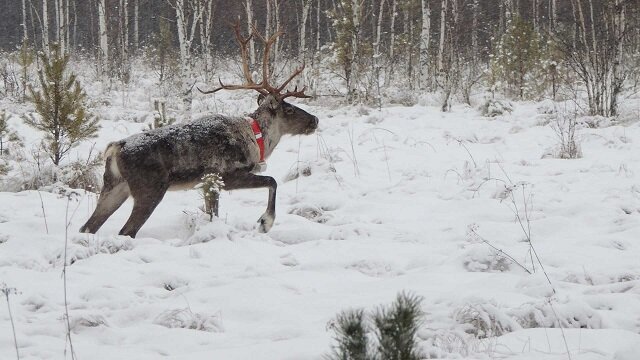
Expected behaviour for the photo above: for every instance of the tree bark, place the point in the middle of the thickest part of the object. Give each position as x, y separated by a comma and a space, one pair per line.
425, 41
252, 47
45, 26
443, 22
302, 50
186, 35
104, 36
136, 25
25, 34
124, 31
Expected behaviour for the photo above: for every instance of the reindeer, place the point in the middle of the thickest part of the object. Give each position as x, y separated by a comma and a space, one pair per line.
176, 157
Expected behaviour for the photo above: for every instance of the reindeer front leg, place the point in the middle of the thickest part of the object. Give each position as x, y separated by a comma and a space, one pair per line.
246, 180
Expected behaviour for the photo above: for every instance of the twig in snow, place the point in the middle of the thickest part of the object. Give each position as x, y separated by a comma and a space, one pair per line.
472, 229
44, 214
477, 189
356, 168
64, 280
461, 143
7, 291
298, 163
564, 338
386, 159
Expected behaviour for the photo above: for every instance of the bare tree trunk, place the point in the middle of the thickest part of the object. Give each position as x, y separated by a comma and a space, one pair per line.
206, 29
124, 32
554, 14
443, 22
56, 11
45, 26
355, 37
425, 42
104, 36
67, 27
392, 29
25, 34
186, 36
302, 47
450, 77
475, 49
318, 26
75, 24
534, 14
136, 24
267, 23
392, 43
252, 47
181, 23
377, 57
302, 51
617, 73
278, 44
61, 25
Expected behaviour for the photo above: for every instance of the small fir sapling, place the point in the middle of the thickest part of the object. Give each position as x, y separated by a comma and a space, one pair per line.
351, 336
60, 106
7, 291
397, 326
210, 188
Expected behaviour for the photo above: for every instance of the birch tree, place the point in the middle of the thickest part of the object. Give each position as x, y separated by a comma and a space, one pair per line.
124, 35
62, 28
136, 24
596, 53
303, 51
392, 42
45, 26
443, 29
425, 40
252, 45
187, 20
206, 33
25, 34
103, 53
377, 56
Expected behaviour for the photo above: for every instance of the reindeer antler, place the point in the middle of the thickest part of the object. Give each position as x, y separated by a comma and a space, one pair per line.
263, 87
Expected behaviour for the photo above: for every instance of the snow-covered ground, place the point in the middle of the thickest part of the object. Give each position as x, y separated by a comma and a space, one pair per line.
398, 199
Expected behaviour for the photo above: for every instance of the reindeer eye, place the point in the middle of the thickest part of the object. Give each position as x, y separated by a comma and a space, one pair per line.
288, 110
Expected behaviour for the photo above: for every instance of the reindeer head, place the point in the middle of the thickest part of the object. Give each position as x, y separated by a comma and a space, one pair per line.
288, 118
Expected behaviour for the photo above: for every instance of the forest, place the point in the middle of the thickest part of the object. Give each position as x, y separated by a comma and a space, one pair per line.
524, 49
456, 179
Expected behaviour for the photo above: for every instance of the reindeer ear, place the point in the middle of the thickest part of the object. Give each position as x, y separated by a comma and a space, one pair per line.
269, 101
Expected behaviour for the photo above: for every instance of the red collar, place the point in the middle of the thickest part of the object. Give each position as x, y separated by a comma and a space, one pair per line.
258, 133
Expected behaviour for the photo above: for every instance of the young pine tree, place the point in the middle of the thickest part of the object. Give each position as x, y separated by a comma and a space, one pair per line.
397, 326
351, 336
60, 104
519, 60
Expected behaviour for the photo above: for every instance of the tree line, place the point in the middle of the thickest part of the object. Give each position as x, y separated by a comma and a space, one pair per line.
523, 49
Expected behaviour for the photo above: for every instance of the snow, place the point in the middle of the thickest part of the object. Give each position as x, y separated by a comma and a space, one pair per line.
375, 203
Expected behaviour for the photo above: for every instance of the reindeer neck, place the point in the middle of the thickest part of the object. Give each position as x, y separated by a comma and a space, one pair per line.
270, 128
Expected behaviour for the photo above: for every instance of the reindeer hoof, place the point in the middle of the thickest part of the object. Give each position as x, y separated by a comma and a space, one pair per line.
266, 222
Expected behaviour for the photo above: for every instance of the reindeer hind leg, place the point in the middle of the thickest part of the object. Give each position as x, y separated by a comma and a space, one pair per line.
143, 207
110, 200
